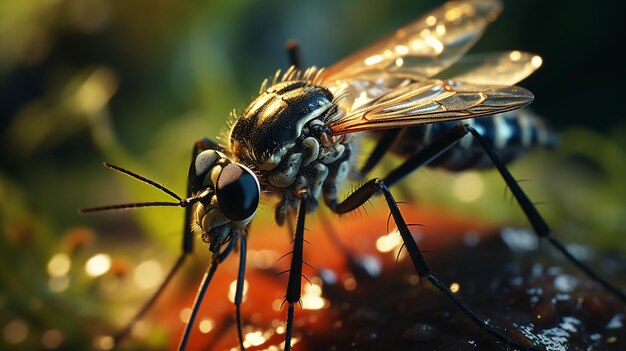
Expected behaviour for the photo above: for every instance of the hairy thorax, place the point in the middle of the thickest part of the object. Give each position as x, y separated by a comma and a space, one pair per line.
283, 135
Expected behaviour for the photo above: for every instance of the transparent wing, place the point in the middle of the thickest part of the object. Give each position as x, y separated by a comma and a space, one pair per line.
499, 68
427, 102
423, 48
496, 68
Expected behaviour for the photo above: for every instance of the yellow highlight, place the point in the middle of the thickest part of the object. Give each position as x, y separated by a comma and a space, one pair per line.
435, 44
104, 343
206, 325
148, 274
185, 314
468, 187
372, 60
454, 14
402, 50
59, 265
233, 289
98, 265
515, 55
255, 338
455, 287
440, 30
96, 91
312, 297
389, 242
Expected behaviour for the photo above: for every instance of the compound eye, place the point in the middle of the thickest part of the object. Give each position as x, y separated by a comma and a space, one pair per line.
237, 192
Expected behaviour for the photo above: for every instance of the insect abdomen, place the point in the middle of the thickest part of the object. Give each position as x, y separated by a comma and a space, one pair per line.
510, 134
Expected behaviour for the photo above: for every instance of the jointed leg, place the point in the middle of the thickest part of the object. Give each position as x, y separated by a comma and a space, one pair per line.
187, 248
355, 265
240, 286
295, 271
369, 189
218, 258
538, 223
382, 146
148, 304
541, 228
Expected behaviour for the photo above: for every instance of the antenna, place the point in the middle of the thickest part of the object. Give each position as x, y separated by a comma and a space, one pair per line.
181, 202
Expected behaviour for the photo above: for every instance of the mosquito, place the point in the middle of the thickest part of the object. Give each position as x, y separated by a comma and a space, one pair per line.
297, 142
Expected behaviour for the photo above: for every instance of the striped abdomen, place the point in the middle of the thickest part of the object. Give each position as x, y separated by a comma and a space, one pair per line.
510, 134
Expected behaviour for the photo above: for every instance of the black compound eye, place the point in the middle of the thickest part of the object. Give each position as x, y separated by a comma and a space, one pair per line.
237, 192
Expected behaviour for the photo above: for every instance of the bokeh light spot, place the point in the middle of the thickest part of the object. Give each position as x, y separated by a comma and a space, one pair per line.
52, 339
59, 265
15, 331
148, 274
98, 265
468, 187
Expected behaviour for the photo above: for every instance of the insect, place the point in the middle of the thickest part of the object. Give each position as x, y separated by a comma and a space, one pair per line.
297, 142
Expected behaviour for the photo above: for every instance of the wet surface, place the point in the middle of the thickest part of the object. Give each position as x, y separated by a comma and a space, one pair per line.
519, 284
533, 296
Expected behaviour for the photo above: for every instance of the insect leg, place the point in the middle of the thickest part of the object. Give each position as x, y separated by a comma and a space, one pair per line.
187, 248
382, 146
355, 264
539, 225
425, 155
295, 272
240, 285
536, 221
218, 257
124, 332
369, 189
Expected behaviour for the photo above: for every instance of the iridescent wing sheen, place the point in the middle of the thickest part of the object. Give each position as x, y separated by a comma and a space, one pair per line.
432, 101
423, 48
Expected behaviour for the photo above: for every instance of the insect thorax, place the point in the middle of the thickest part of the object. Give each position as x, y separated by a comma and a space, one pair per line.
284, 135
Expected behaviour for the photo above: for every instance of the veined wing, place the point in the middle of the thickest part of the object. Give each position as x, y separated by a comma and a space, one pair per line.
495, 68
432, 101
423, 48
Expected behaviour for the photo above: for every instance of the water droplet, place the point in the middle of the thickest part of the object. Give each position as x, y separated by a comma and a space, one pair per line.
565, 283
520, 239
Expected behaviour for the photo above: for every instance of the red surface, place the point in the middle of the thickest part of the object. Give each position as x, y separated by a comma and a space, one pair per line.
359, 232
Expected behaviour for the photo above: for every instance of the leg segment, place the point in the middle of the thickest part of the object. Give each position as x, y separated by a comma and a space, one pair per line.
541, 228
351, 261
295, 272
362, 195
425, 155
380, 150
187, 248
240, 285
124, 332
537, 222
218, 257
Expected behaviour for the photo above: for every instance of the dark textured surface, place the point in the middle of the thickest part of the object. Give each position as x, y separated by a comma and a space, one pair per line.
531, 295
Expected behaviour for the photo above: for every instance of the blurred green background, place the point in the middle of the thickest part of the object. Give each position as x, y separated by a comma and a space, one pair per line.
135, 83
